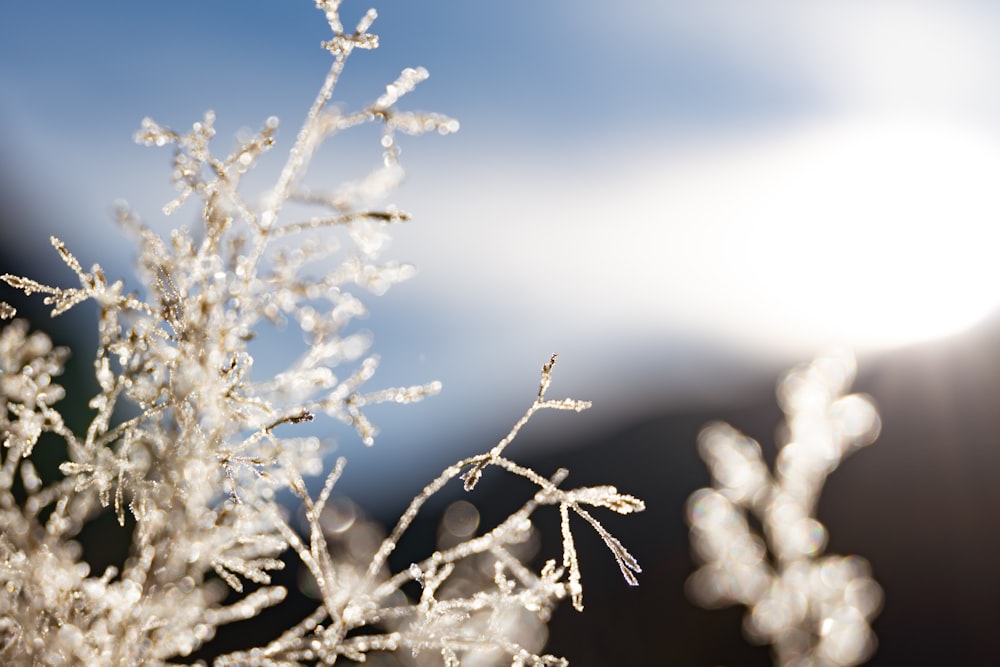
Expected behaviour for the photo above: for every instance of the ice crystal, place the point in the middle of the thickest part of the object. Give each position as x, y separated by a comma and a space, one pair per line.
190, 446
813, 609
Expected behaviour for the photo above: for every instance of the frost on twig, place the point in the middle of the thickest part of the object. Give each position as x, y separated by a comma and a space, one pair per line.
460, 614
191, 446
813, 609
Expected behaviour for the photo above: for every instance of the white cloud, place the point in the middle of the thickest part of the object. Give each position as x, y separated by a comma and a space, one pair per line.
864, 232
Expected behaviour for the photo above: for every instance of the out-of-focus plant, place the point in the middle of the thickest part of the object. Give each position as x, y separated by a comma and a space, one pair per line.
192, 445
814, 610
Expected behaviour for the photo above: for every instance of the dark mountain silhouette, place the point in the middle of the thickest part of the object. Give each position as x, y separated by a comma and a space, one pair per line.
920, 504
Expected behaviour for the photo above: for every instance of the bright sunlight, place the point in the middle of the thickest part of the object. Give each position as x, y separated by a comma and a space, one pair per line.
904, 237
873, 234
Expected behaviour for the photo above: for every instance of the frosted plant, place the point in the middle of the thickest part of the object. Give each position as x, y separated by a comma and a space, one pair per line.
813, 609
189, 447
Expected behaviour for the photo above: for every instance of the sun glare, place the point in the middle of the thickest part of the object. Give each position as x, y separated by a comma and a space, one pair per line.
878, 234
867, 234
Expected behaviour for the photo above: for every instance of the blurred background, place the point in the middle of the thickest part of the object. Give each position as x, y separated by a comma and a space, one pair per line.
682, 199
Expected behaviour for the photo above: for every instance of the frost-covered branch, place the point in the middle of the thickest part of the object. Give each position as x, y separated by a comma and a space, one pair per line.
190, 446
451, 618
813, 609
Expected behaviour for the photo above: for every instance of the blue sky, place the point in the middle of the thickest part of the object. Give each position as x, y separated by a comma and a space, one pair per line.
659, 191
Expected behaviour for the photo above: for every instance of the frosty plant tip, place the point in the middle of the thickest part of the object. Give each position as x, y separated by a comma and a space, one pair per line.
814, 610
189, 444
